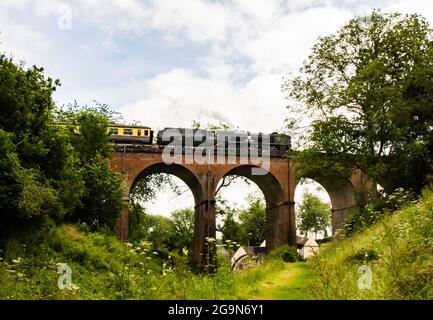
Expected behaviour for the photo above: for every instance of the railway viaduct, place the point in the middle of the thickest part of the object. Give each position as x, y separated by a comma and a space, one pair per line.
278, 187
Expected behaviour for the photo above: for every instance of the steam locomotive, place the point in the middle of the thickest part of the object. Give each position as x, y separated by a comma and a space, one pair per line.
122, 134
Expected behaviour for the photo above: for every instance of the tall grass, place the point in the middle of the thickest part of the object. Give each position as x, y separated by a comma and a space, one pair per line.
104, 268
398, 249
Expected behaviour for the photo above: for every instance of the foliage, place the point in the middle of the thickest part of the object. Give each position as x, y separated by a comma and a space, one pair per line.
49, 173
364, 217
360, 219
183, 221
105, 268
101, 202
155, 229
102, 192
313, 214
253, 222
368, 92
231, 229
398, 249
31, 192
174, 233
245, 226
285, 253
149, 186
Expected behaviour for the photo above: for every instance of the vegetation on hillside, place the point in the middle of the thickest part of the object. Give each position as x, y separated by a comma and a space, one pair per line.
105, 268
398, 248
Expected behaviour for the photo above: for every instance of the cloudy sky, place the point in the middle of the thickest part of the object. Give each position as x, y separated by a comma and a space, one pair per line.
167, 62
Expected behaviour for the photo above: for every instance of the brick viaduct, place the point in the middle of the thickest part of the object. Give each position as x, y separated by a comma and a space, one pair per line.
278, 187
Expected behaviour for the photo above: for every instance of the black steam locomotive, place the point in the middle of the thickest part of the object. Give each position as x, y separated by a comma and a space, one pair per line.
123, 134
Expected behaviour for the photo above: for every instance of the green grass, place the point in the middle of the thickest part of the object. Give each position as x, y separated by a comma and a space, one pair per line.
398, 249
292, 282
105, 268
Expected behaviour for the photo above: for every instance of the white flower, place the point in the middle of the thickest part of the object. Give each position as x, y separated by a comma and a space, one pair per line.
74, 287
210, 239
185, 251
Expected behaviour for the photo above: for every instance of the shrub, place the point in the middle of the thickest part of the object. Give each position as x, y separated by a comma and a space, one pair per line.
363, 256
361, 219
285, 253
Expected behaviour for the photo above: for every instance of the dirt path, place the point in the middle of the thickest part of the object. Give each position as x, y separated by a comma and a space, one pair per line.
287, 284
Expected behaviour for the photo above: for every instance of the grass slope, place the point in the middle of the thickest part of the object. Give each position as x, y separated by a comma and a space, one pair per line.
398, 249
290, 283
104, 268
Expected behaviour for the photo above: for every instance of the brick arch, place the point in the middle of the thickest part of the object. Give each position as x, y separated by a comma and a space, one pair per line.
133, 163
204, 215
346, 195
277, 217
268, 183
183, 173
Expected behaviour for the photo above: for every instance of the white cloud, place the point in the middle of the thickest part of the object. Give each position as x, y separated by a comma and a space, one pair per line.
178, 97
198, 20
270, 48
284, 42
22, 42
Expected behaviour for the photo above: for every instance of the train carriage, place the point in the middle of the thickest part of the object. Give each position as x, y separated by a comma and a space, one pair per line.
130, 134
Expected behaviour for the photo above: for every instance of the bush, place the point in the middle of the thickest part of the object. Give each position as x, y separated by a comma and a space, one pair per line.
285, 253
363, 256
361, 219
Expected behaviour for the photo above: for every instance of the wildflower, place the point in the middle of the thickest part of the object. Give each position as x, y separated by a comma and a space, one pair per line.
129, 245
155, 253
185, 251
210, 239
74, 287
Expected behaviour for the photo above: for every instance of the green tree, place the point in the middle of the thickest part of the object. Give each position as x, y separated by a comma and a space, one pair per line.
101, 201
35, 165
253, 222
183, 221
313, 214
368, 90
231, 228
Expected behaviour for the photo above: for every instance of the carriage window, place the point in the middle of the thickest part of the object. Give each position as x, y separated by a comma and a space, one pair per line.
127, 132
114, 131
139, 133
146, 133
